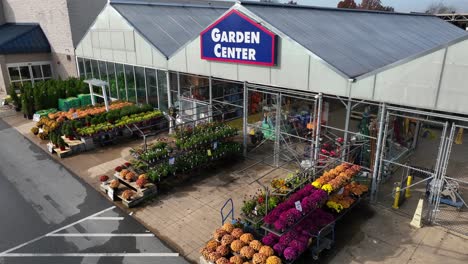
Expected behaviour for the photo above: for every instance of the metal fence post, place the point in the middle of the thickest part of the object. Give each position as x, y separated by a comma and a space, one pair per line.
317, 131
210, 107
345, 142
244, 117
377, 152
277, 129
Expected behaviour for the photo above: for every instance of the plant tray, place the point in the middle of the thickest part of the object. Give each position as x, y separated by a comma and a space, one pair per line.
148, 190
134, 202
63, 153
204, 261
75, 145
111, 193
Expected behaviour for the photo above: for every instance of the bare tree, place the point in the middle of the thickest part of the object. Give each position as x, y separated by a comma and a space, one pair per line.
440, 8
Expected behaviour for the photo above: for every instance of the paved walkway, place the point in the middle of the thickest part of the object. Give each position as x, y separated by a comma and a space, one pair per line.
186, 217
49, 215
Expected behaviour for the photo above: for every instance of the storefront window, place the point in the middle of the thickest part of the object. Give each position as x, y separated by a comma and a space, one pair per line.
81, 67
112, 80
29, 72
130, 81
14, 74
162, 90
46, 71
95, 69
37, 72
140, 85
152, 87
25, 74
121, 81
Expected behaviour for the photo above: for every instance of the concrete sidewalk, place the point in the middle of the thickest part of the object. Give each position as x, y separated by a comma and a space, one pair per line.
187, 217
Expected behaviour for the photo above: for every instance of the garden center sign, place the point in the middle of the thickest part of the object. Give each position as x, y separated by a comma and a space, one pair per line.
238, 39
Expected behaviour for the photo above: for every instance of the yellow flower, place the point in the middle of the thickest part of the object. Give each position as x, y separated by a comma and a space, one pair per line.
316, 185
328, 188
336, 206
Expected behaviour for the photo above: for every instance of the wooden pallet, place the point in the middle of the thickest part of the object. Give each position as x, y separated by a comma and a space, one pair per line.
141, 194
63, 153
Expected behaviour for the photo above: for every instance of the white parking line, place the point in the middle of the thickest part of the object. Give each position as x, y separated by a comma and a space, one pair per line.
91, 255
55, 231
100, 235
107, 218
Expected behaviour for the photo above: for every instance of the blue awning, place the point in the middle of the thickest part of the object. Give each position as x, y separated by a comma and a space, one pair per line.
23, 38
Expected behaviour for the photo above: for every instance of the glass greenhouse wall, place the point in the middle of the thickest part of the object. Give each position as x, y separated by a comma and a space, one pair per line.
128, 82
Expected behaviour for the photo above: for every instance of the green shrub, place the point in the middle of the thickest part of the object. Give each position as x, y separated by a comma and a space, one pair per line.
14, 96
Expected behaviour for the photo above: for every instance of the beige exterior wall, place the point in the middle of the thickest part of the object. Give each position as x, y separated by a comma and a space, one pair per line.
3, 75
54, 18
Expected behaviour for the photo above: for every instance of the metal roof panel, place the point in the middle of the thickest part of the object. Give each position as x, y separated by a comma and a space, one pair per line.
356, 42
169, 27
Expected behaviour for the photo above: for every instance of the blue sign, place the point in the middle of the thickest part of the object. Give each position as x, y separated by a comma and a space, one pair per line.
238, 39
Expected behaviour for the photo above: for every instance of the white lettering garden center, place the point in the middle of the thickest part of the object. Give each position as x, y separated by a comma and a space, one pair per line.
234, 37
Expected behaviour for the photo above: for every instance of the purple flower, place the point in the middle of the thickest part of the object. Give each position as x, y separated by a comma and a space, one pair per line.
290, 254
286, 238
299, 246
289, 218
270, 239
279, 248
279, 224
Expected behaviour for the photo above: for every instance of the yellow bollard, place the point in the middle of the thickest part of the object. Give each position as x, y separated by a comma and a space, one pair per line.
407, 190
397, 198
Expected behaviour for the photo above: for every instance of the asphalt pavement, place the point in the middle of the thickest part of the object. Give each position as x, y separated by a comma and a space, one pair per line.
49, 215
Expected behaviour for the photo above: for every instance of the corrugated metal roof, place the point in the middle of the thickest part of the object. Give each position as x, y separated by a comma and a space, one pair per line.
170, 26
22, 38
359, 42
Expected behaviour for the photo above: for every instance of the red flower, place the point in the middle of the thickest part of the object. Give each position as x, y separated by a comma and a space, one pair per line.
103, 178
118, 168
127, 164
261, 199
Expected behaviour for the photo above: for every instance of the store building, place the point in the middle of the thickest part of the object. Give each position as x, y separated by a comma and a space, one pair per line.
24, 54
365, 55
63, 22
249, 59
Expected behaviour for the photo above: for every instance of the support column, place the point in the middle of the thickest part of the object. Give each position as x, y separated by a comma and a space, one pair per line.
178, 89
244, 117
313, 120
444, 164
318, 125
169, 103
378, 150
210, 106
277, 130
437, 182
346, 128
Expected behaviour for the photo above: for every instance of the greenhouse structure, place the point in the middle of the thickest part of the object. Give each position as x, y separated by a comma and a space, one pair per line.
305, 84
